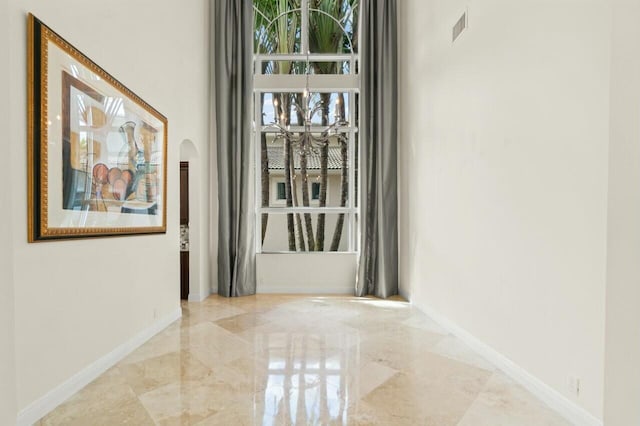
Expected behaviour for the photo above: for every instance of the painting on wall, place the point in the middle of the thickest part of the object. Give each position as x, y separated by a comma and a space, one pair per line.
97, 152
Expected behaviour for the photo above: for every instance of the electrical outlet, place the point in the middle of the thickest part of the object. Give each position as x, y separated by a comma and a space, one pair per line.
573, 386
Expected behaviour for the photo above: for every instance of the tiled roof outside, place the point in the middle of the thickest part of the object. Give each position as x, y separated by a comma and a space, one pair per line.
276, 158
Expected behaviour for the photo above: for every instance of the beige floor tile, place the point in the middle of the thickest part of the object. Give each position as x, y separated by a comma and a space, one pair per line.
421, 321
194, 313
398, 351
109, 400
505, 403
165, 342
241, 413
452, 347
213, 345
185, 402
432, 391
303, 360
242, 322
130, 412
153, 373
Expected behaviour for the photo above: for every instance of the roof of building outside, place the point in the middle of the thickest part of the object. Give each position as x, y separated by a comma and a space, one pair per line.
276, 158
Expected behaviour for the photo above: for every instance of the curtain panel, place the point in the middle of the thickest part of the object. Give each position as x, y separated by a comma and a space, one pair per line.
378, 263
233, 102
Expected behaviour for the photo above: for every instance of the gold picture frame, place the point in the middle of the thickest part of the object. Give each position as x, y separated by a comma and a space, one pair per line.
97, 153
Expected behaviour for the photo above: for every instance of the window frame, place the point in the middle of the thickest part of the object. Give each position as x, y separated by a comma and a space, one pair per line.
316, 83
315, 196
277, 198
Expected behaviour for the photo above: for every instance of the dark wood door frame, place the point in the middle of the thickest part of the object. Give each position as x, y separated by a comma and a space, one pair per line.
184, 221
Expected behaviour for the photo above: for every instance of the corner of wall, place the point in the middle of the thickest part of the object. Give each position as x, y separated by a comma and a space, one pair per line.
8, 399
622, 338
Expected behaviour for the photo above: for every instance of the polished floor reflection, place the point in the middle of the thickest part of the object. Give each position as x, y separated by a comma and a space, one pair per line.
303, 360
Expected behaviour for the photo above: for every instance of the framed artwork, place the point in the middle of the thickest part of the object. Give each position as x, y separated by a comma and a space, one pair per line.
97, 153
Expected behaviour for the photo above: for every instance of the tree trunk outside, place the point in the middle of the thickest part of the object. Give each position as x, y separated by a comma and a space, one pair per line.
325, 98
304, 172
322, 202
344, 152
264, 171
288, 194
337, 233
287, 159
294, 189
308, 221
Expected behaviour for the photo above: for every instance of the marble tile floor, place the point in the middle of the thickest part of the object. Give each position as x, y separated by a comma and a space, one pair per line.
303, 360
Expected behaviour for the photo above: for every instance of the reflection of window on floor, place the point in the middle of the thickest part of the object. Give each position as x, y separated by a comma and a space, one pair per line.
307, 379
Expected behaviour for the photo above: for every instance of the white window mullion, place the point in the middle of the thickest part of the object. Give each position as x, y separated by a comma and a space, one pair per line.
304, 27
352, 174
258, 159
358, 220
297, 83
297, 129
312, 210
298, 57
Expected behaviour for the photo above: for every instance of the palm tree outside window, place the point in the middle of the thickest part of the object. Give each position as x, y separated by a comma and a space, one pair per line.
300, 45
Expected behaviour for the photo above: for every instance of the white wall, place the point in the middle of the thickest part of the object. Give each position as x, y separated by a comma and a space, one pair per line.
8, 407
317, 273
622, 374
504, 178
76, 301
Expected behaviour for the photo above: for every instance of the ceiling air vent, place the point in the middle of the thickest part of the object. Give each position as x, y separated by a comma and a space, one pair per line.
460, 26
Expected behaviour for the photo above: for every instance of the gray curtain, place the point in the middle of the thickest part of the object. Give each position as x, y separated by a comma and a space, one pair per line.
232, 68
378, 264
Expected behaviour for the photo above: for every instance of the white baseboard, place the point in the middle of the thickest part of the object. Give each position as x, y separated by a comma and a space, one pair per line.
406, 295
42, 406
554, 399
270, 289
197, 297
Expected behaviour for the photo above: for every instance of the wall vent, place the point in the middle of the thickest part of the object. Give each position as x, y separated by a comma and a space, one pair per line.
460, 26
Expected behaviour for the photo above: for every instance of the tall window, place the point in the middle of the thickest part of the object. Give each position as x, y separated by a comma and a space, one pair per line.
306, 115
